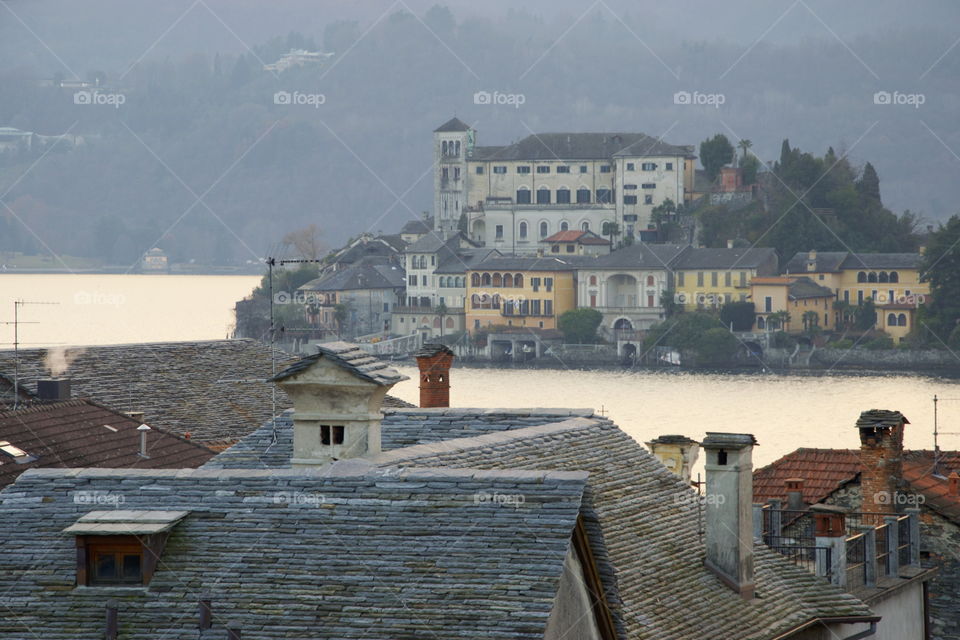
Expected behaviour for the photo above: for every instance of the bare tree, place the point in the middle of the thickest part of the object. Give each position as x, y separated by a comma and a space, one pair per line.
306, 242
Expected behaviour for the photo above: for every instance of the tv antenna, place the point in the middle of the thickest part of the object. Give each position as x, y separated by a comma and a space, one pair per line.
936, 429
16, 344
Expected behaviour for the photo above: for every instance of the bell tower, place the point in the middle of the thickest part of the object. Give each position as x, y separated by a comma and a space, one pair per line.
451, 143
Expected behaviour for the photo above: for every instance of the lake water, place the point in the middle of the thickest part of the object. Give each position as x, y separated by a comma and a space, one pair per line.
784, 412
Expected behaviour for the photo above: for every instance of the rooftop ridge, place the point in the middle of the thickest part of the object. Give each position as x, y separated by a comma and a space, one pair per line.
481, 441
49, 406
464, 411
141, 345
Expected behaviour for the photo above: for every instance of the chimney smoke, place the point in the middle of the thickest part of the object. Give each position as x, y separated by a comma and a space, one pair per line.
59, 359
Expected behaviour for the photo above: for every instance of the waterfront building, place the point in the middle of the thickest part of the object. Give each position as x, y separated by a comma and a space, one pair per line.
792, 304
709, 278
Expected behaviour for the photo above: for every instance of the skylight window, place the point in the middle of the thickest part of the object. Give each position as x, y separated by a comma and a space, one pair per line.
11, 450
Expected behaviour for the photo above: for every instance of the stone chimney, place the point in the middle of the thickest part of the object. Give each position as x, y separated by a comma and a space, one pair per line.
794, 490
434, 361
830, 531
812, 260
337, 394
881, 458
676, 453
729, 509
53, 389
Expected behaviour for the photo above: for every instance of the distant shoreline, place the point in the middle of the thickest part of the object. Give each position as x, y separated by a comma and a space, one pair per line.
200, 271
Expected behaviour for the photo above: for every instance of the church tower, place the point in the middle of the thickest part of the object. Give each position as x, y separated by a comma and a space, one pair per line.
451, 144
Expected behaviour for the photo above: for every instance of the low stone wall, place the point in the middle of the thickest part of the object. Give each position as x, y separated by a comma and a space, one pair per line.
884, 359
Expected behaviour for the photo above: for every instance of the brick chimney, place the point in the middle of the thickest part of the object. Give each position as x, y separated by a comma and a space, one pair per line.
676, 453
337, 394
794, 490
881, 458
729, 509
953, 484
434, 361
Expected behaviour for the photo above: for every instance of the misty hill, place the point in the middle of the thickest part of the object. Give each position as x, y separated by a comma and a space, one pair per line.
199, 117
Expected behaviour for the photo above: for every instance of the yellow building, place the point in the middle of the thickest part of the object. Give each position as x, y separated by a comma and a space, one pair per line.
891, 280
520, 292
709, 278
792, 304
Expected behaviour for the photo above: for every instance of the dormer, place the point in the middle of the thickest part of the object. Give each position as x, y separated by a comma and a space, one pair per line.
337, 394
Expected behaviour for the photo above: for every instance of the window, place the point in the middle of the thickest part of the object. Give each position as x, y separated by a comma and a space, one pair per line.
443, 283
895, 277
629, 199
902, 320
485, 280
727, 279
456, 173
648, 185
583, 168
535, 284
699, 278
331, 434
412, 281
585, 226
543, 168
543, 229
499, 168
861, 277
649, 166
604, 168
479, 170
476, 324
891, 320
860, 297
555, 249
883, 277
523, 196
548, 283
571, 248
680, 279
543, 195
563, 169
548, 307
668, 166
871, 277
444, 174
497, 280
713, 278
433, 259
564, 226
518, 280
650, 282
743, 278
508, 280
604, 196
631, 166
423, 281
499, 232
648, 199
523, 169
593, 281
583, 196
386, 307
563, 196
475, 279
111, 560
768, 304
535, 307
523, 230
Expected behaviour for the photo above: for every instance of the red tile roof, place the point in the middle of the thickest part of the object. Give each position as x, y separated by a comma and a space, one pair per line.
826, 470
82, 433
582, 237
823, 472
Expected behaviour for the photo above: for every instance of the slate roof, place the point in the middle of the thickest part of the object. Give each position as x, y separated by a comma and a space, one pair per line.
826, 262
418, 226
644, 530
580, 237
82, 433
453, 124
458, 261
367, 246
580, 146
640, 256
271, 446
212, 389
362, 275
729, 259
349, 357
806, 288
343, 552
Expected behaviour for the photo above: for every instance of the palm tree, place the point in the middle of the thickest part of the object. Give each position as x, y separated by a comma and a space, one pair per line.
780, 318
745, 144
811, 319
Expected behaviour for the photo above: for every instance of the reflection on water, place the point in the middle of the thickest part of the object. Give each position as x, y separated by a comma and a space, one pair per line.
783, 412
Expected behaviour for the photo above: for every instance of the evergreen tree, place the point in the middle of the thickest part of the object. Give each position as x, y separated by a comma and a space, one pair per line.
868, 186
715, 153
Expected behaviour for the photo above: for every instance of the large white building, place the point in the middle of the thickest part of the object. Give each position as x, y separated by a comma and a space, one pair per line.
518, 194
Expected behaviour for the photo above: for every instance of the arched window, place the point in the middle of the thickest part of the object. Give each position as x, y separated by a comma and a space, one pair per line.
650, 281
461, 281
761, 323
443, 147
583, 196
496, 301
871, 277
585, 226
508, 280
497, 280
543, 195
894, 276
564, 226
456, 151
883, 277
443, 282
449, 322
543, 229
436, 322
891, 320
523, 195
861, 277
902, 320
485, 280
593, 281
523, 230
518, 280
563, 195
475, 279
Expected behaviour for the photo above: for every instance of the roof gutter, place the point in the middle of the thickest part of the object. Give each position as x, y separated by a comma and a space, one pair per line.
871, 620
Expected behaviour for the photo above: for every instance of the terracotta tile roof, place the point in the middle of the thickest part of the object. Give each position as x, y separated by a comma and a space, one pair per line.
582, 237
930, 480
82, 433
823, 472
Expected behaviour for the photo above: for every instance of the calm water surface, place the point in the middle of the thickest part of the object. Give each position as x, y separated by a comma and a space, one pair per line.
784, 412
